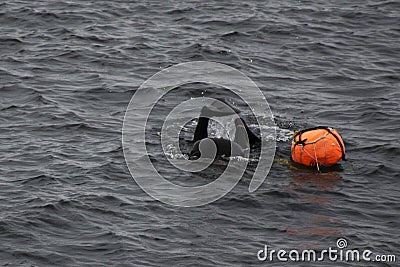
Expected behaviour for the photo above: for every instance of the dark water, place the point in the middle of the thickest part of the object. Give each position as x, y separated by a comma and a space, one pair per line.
69, 68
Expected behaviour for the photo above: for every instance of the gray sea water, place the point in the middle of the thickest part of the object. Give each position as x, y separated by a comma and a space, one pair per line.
69, 68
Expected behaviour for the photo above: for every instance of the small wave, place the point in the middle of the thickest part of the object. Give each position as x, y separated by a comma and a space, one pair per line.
233, 35
6, 41
39, 180
179, 11
11, 107
243, 201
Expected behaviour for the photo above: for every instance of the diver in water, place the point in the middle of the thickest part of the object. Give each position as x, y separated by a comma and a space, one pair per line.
314, 147
224, 147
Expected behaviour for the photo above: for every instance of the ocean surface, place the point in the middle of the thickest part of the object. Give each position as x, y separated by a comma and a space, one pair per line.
69, 68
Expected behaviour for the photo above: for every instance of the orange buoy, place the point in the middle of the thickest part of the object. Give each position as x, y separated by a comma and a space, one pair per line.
319, 146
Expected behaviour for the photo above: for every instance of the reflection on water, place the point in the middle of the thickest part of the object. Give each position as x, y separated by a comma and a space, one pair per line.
316, 189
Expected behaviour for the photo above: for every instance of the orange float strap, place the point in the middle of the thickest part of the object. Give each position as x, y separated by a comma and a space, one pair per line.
318, 146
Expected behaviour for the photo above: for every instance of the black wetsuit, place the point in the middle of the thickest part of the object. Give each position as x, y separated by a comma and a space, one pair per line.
243, 137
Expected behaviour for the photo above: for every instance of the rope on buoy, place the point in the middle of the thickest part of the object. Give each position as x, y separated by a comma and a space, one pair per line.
331, 154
